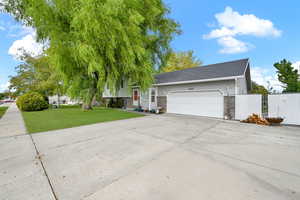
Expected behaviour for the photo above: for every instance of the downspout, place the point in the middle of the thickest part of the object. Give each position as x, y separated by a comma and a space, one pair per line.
139, 98
156, 95
149, 99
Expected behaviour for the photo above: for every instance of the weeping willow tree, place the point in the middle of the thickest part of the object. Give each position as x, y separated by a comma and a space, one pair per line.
98, 43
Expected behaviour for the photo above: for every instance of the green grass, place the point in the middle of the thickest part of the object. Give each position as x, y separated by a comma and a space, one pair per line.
71, 116
2, 110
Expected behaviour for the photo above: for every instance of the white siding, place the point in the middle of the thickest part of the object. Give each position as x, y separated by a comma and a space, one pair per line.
123, 92
145, 100
241, 86
227, 87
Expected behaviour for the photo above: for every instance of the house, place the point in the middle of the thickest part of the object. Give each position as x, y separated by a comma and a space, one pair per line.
202, 91
65, 100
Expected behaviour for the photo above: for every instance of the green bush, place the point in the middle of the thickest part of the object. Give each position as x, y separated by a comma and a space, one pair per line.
116, 103
32, 101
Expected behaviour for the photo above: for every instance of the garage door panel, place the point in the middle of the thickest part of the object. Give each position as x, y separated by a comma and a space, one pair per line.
208, 104
194, 99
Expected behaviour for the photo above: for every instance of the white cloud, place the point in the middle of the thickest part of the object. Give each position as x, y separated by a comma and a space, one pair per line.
231, 45
26, 45
247, 24
232, 24
4, 86
222, 32
27, 42
296, 65
263, 77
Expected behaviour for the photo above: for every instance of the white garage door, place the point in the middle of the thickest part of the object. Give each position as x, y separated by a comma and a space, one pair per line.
209, 104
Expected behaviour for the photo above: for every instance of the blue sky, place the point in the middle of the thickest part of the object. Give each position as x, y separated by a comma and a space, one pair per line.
217, 30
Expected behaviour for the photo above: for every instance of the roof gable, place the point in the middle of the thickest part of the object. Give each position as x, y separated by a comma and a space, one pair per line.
214, 71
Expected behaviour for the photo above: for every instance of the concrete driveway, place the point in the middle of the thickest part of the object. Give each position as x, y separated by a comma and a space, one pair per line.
166, 157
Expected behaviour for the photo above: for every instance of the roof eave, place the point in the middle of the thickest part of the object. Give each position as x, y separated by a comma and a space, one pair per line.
199, 81
247, 65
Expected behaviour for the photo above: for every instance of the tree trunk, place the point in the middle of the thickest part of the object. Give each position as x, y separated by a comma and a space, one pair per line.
87, 105
58, 100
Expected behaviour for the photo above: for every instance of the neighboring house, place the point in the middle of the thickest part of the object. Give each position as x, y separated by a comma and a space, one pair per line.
203, 91
55, 100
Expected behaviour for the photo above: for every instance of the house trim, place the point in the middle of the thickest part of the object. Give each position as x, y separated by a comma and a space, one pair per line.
204, 90
248, 64
199, 81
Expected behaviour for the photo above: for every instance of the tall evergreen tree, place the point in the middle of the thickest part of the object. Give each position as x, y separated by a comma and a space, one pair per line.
100, 42
288, 76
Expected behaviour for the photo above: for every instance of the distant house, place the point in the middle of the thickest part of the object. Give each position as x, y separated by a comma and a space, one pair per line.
195, 91
64, 100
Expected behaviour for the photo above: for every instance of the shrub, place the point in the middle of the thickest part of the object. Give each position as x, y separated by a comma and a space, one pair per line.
116, 103
32, 101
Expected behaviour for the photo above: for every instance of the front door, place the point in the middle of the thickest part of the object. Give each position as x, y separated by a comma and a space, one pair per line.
135, 97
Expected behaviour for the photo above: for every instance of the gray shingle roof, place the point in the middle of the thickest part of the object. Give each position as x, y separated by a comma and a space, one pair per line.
219, 70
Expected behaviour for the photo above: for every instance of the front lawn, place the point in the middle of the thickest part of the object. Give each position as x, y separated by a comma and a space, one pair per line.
71, 116
2, 110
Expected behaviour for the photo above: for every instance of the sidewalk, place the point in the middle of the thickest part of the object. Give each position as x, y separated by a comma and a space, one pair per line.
12, 124
21, 172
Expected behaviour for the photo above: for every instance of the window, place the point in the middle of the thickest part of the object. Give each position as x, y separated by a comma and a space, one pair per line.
135, 95
153, 95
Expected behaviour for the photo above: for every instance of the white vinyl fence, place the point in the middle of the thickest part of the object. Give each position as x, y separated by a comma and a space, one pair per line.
246, 105
286, 106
